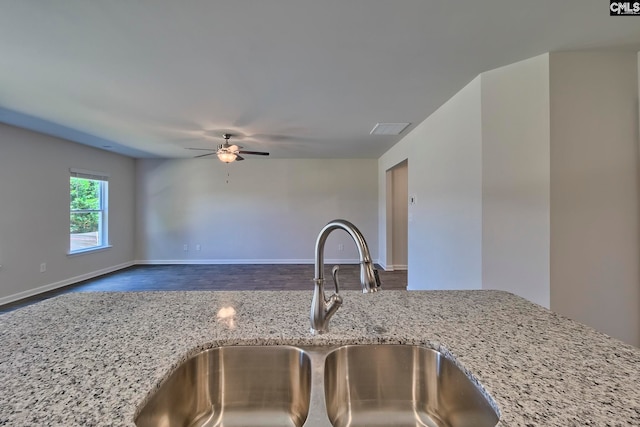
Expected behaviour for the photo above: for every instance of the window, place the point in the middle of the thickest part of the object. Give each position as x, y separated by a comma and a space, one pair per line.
88, 211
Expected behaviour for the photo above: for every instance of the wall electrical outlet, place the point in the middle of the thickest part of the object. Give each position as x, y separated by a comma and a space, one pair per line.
340, 247
185, 248
43, 267
197, 247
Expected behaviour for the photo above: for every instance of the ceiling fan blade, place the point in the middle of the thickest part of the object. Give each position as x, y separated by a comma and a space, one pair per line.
258, 153
238, 158
204, 155
202, 149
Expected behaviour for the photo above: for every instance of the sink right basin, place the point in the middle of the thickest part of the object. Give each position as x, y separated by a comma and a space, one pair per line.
401, 385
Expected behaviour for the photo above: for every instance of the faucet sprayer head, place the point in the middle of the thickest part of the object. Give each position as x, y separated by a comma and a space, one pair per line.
369, 278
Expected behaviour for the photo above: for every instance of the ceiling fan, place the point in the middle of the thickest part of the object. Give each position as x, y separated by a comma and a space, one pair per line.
228, 153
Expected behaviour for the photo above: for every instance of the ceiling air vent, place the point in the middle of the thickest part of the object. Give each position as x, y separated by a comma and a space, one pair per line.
388, 128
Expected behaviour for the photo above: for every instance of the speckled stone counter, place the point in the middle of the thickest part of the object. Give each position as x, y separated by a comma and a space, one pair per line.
90, 359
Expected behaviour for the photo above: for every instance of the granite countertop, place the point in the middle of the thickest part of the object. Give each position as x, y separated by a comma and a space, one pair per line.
90, 359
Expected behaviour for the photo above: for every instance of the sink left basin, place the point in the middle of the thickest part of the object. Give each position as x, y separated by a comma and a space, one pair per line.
234, 386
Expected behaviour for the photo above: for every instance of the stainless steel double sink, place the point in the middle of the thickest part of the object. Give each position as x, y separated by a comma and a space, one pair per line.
353, 385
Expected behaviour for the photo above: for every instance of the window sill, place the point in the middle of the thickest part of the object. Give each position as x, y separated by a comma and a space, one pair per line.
89, 250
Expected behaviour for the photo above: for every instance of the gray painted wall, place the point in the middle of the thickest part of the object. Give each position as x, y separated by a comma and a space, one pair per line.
270, 211
595, 254
515, 179
34, 212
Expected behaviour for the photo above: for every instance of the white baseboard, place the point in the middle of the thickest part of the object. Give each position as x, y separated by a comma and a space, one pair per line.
394, 267
240, 261
70, 281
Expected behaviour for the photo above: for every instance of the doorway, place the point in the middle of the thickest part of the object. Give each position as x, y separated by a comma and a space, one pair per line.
397, 183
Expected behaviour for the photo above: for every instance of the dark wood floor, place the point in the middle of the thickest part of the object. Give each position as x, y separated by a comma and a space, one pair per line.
216, 278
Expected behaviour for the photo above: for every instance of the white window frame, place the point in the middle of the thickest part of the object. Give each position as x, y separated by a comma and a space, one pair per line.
103, 227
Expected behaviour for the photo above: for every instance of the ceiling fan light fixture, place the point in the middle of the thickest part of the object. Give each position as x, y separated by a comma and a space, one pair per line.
226, 157
228, 153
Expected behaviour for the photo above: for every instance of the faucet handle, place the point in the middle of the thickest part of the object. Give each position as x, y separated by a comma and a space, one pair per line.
334, 274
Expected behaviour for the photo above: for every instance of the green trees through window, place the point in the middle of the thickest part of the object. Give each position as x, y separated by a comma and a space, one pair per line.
87, 211
85, 195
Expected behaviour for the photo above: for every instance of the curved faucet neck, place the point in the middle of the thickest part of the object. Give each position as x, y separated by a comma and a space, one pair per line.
356, 235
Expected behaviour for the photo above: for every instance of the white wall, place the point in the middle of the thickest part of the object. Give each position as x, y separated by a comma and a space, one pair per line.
595, 253
270, 211
515, 179
34, 212
445, 232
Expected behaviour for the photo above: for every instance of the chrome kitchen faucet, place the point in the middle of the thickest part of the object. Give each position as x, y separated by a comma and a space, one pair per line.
323, 308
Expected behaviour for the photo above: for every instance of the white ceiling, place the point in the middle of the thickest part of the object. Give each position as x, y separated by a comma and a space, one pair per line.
299, 78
